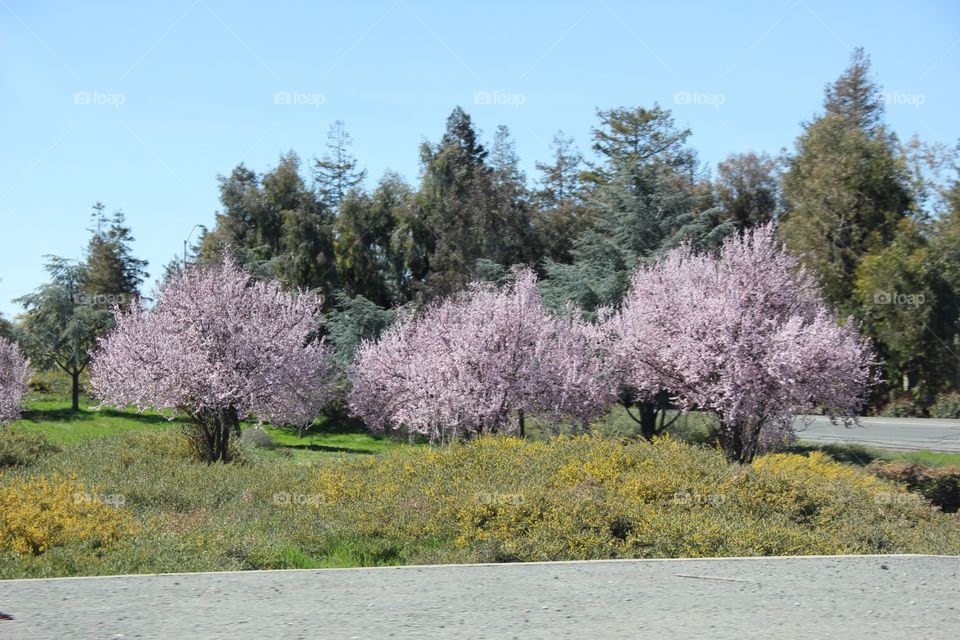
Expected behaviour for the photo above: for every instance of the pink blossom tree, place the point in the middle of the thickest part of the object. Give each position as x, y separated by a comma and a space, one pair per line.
13, 381
478, 362
219, 347
746, 335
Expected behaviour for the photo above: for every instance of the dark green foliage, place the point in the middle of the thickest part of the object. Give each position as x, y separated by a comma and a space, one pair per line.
846, 187
7, 329
748, 189
560, 200
902, 408
56, 328
22, 449
470, 207
947, 405
353, 320
373, 258
275, 226
646, 198
113, 275
336, 174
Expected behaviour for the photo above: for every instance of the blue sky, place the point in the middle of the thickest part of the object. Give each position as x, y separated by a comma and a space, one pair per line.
141, 105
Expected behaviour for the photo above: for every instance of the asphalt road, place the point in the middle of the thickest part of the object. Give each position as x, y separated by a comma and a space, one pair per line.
888, 433
875, 597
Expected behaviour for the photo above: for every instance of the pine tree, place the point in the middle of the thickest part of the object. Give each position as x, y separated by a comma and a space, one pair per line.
56, 329
336, 173
111, 274
560, 209
647, 197
748, 189
846, 187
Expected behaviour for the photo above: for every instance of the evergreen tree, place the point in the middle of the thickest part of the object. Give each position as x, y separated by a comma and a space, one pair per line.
336, 173
560, 199
452, 205
275, 227
369, 260
237, 224
647, 199
304, 255
509, 237
112, 275
56, 329
846, 187
748, 189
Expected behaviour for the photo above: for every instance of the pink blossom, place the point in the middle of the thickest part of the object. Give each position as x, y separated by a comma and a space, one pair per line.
218, 347
471, 363
13, 381
745, 335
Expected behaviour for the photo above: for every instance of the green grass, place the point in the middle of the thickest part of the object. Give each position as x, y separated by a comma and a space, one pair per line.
51, 416
861, 456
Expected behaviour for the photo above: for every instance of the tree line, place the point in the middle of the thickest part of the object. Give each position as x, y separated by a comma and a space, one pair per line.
875, 220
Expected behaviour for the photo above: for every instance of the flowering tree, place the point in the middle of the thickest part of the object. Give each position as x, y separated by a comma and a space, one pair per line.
568, 371
474, 362
745, 335
218, 347
13, 381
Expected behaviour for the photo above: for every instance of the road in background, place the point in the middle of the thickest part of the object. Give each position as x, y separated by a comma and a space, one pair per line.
911, 434
875, 597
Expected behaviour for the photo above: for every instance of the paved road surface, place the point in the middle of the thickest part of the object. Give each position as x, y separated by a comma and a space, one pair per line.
875, 597
888, 433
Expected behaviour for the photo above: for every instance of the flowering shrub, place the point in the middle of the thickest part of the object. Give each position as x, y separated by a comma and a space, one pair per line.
745, 335
478, 363
39, 513
217, 348
498, 499
13, 381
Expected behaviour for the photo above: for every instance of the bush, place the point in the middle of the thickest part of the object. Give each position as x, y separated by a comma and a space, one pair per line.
492, 499
51, 382
39, 385
39, 513
21, 448
902, 408
586, 498
947, 405
238, 451
939, 485
257, 438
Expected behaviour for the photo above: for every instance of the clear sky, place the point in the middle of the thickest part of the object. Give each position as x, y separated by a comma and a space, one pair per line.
142, 104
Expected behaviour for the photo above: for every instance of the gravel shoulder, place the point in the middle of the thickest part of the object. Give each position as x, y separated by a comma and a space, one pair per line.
874, 597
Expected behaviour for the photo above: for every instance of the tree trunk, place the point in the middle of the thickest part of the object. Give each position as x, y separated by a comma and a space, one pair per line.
75, 390
739, 441
647, 419
521, 424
